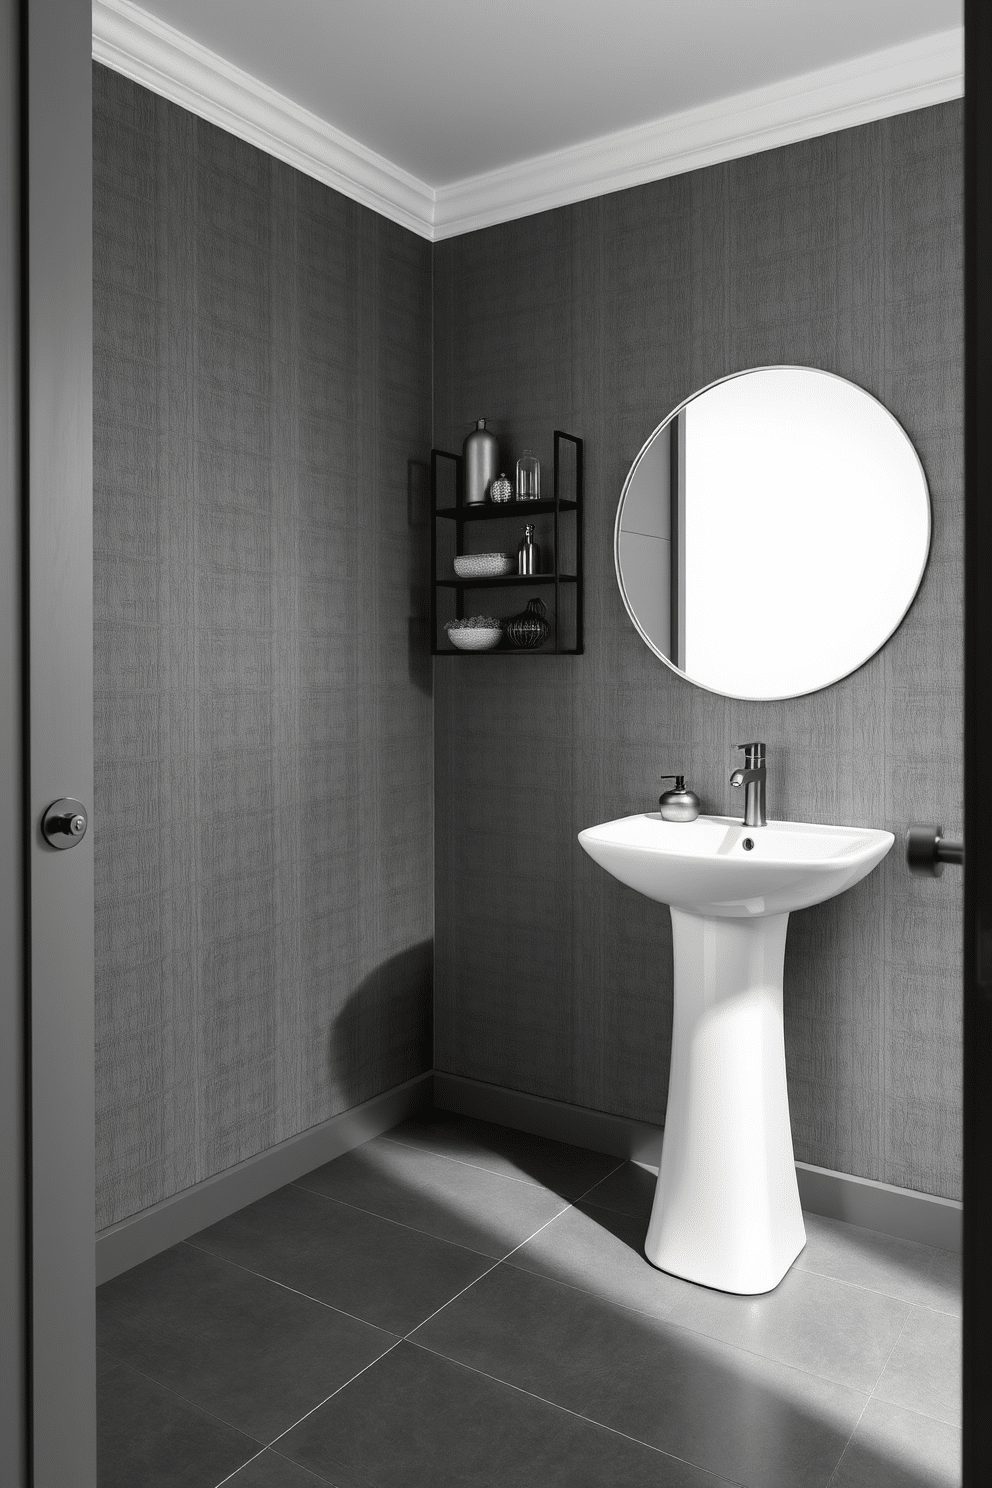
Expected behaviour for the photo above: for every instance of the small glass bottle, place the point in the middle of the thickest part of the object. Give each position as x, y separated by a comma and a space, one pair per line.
528, 554
528, 477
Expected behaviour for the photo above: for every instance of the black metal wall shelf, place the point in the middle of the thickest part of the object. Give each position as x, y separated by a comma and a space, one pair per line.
560, 539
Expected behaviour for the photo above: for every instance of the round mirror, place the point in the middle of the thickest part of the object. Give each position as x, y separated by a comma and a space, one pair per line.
772, 533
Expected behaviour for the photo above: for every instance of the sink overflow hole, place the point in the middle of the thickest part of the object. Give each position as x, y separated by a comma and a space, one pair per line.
748, 843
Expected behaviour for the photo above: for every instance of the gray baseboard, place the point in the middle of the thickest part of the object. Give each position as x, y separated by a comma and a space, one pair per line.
875, 1206
140, 1236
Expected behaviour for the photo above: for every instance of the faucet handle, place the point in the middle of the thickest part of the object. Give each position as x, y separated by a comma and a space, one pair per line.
754, 751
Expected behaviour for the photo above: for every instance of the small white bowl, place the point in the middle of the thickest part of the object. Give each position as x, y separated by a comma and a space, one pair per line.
474, 638
484, 565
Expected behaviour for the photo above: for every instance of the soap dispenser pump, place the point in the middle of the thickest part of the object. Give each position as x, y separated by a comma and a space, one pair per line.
679, 805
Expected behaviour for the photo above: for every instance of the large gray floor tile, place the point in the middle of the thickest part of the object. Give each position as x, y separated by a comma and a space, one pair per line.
840, 1332
374, 1269
251, 1353
924, 1371
866, 1258
418, 1421
565, 1170
894, 1448
149, 1438
470, 1206
601, 1251
272, 1471
629, 1188
743, 1417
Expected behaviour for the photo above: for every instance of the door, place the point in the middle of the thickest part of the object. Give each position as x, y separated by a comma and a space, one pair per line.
978, 750
47, 1370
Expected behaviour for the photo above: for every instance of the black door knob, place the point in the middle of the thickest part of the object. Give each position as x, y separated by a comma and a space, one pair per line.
64, 823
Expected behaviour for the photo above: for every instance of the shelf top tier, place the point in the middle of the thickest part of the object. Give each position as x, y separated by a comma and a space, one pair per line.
506, 581
488, 510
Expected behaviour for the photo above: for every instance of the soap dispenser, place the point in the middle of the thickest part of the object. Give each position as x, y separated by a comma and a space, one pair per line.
679, 805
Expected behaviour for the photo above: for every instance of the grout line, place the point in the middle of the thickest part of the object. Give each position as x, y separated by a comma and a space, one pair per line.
857, 1286
585, 1198
323, 1402
401, 1224
577, 1415
878, 1378
270, 1445
241, 1468
485, 1273
307, 1297
480, 1167
200, 1410
695, 1332
356, 1208
843, 1452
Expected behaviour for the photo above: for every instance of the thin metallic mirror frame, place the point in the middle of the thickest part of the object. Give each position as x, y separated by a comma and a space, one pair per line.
628, 606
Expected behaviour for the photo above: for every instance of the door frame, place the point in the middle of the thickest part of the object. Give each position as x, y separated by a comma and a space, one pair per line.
47, 1360
13, 1209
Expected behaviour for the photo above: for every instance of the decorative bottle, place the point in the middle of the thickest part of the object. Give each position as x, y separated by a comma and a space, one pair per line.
481, 453
530, 627
528, 554
528, 477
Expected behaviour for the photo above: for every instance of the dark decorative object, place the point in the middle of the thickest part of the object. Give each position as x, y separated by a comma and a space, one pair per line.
528, 553
529, 628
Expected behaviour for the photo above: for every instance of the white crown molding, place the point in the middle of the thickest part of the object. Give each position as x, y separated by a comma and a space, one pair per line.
145, 49
894, 81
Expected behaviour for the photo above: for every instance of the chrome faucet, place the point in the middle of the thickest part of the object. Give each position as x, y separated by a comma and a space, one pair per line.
752, 777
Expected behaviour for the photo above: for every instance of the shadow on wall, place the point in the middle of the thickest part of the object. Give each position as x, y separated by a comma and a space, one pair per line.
418, 513
384, 1033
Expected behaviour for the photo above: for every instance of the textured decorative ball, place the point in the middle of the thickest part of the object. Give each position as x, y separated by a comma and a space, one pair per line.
529, 628
501, 490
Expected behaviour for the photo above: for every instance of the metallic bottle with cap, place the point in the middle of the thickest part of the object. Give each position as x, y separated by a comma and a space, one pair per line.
481, 454
679, 804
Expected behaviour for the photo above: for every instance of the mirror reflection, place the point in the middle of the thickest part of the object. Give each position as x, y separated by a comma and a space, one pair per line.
772, 532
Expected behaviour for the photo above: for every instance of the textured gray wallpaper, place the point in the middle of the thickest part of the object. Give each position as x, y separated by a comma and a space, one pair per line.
842, 253
263, 717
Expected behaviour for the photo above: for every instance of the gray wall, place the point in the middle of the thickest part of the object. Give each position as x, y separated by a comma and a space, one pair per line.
263, 720
842, 253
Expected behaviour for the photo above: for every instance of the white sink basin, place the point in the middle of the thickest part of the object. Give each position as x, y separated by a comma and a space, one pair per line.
726, 1210
704, 867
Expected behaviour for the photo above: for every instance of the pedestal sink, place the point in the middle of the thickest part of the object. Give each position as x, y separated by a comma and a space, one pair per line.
726, 1210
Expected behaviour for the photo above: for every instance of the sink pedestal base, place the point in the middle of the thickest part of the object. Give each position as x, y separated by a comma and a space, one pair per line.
726, 1211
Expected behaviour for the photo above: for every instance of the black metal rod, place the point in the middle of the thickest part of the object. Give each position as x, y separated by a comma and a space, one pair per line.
927, 851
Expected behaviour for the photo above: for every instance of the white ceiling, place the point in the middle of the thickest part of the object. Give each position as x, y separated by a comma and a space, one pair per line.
451, 89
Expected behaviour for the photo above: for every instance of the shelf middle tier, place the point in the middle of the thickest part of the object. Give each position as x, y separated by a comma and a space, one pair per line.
487, 511
506, 581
